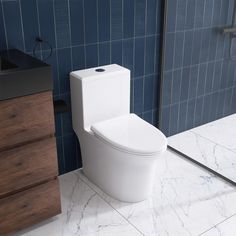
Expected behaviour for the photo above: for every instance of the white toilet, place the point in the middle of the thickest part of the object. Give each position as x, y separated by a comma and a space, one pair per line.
119, 149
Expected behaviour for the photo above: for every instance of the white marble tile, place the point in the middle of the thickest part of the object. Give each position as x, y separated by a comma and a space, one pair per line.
83, 213
222, 131
226, 228
206, 152
186, 200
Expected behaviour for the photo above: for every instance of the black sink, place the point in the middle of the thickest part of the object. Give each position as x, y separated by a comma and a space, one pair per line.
21, 75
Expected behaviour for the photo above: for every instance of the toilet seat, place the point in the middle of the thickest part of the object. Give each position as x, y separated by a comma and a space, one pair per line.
131, 134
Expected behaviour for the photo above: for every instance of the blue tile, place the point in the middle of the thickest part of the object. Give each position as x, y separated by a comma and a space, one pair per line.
176, 86
150, 55
193, 82
60, 156
3, 44
104, 23
78, 58
210, 77
116, 19
128, 54
46, 21
207, 19
198, 112
147, 116
151, 16
64, 69
205, 43
139, 57
156, 93
206, 109
178, 50
190, 114
66, 123
30, 23
116, 52
197, 36
174, 114
140, 9
69, 144
167, 84
91, 55
217, 75
171, 19
227, 102
201, 79
58, 123
182, 116
77, 22
128, 18
190, 16
62, 23
220, 104
231, 74
216, 12
199, 13
213, 45
185, 84
138, 96
169, 48
224, 12
181, 14
13, 21
224, 75
104, 53
90, 12
188, 46
148, 92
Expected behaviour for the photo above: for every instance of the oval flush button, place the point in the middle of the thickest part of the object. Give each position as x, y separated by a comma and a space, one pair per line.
99, 70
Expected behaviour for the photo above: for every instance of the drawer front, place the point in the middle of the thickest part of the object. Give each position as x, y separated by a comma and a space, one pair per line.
29, 207
25, 119
27, 165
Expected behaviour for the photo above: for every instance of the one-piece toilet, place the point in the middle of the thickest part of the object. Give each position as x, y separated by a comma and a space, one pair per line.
119, 149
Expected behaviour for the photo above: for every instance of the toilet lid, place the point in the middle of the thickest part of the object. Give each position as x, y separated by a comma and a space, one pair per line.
132, 134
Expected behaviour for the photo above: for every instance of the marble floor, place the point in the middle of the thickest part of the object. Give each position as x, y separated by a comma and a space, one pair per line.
186, 200
212, 144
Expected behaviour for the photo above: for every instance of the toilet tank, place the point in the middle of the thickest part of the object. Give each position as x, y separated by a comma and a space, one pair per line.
98, 94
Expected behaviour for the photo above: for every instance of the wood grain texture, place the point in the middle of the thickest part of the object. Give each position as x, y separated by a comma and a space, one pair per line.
27, 165
29, 207
25, 119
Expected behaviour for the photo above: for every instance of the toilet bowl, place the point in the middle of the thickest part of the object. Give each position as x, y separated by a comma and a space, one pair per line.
119, 149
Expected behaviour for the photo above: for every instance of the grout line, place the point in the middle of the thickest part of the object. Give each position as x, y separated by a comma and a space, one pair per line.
22, 26
215, 226
99, 194
39, 28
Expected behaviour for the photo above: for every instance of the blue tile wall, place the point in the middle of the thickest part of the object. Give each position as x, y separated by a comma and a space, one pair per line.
198, 77
89, 33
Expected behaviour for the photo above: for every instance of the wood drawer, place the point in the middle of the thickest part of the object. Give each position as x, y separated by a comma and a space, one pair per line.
29, 207
27, 165
25, 119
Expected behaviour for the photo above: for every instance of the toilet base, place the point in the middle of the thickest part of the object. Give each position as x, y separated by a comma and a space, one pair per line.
124, 176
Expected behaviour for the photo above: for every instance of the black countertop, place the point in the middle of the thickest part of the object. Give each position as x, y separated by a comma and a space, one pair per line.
21, 75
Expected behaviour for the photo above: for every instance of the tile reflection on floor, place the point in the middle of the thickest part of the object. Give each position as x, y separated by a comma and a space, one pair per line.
186, 200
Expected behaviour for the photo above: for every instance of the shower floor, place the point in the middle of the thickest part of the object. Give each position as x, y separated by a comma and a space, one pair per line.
212, 145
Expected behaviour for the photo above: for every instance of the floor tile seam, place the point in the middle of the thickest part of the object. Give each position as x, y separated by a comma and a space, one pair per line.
123, 217
218, 224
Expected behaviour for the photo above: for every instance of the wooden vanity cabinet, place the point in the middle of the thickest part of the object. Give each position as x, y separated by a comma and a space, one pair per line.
29, 188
